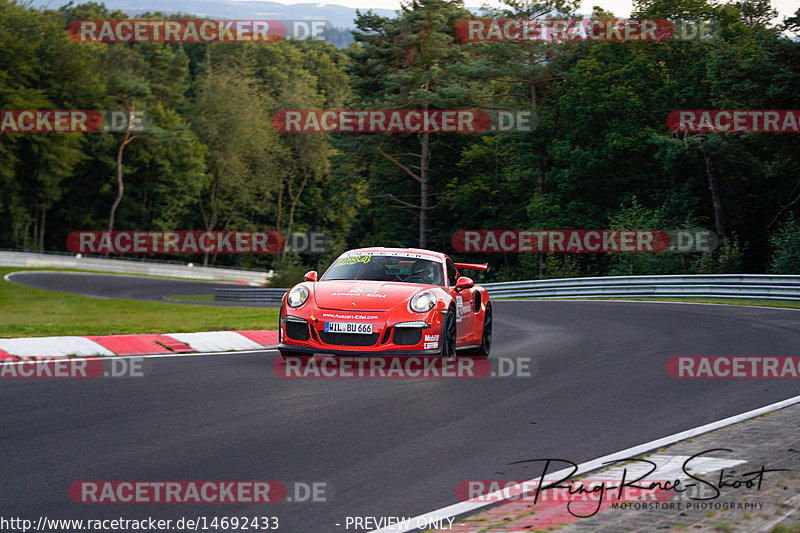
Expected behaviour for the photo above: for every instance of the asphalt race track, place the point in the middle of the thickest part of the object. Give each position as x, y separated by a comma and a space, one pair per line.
387, 447
122, 286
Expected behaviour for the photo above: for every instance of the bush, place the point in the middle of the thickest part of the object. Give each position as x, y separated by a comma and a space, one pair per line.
786, 248
724, 259
288, 272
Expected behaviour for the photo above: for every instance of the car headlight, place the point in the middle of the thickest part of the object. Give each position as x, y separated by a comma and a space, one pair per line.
422, 302
297, 296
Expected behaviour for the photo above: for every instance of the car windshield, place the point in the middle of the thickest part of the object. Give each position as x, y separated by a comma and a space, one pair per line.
369, 267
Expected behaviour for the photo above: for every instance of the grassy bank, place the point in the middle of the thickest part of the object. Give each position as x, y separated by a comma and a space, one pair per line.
31, 312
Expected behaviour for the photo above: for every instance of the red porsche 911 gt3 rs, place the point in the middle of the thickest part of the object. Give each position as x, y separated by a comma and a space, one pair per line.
387, 301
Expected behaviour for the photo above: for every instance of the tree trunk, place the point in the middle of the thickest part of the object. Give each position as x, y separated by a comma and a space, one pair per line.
293, 199
120, 184
35, 230
210, 220
210, 225
41, 229
541, 255
715, 200
120, 188
423, 190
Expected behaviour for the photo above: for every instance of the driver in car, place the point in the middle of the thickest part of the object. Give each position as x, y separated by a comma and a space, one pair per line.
423, 271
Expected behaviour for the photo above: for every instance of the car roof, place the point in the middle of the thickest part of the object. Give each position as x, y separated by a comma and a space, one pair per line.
419, 251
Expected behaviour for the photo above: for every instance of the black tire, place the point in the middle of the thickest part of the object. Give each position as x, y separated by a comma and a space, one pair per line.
448, 335
486, 334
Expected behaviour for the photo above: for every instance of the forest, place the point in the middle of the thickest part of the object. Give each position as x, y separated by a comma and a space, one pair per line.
600, 157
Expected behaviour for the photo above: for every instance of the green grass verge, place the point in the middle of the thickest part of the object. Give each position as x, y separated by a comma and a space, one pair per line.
191, 297
31, 312
783, 304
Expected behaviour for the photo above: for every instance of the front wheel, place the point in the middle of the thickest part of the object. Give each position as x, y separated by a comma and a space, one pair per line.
486, 335
448, 335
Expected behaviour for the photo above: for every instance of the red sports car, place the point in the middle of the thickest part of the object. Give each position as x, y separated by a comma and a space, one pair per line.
387, 301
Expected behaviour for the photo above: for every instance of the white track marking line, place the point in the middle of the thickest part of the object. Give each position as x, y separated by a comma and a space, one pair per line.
467, 507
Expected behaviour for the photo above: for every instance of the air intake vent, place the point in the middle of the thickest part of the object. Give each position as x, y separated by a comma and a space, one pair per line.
407, 336
297, 331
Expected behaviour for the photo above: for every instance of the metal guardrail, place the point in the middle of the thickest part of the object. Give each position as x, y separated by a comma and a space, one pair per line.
249, 295
752, 286
122, 266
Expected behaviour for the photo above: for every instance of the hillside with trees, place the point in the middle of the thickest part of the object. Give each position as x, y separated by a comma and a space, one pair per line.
602, 155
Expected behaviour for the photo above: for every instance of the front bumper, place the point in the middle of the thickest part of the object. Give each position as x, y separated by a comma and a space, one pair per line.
303, 331
338, 351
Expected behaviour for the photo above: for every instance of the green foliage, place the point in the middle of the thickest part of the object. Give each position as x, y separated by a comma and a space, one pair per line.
639, 217
724, 259
231, 118
562, 266
210, 158
289, 273
786, 248
602, 156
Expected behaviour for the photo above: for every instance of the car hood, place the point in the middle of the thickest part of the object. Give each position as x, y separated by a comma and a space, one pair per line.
363, 295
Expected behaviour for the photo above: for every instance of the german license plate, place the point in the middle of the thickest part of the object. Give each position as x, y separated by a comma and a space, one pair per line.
348, 327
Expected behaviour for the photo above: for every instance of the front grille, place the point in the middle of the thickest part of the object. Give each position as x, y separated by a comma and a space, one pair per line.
407, 336
297, 331
349, 339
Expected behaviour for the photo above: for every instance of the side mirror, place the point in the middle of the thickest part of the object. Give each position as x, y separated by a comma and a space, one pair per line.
311, 275
464, 283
